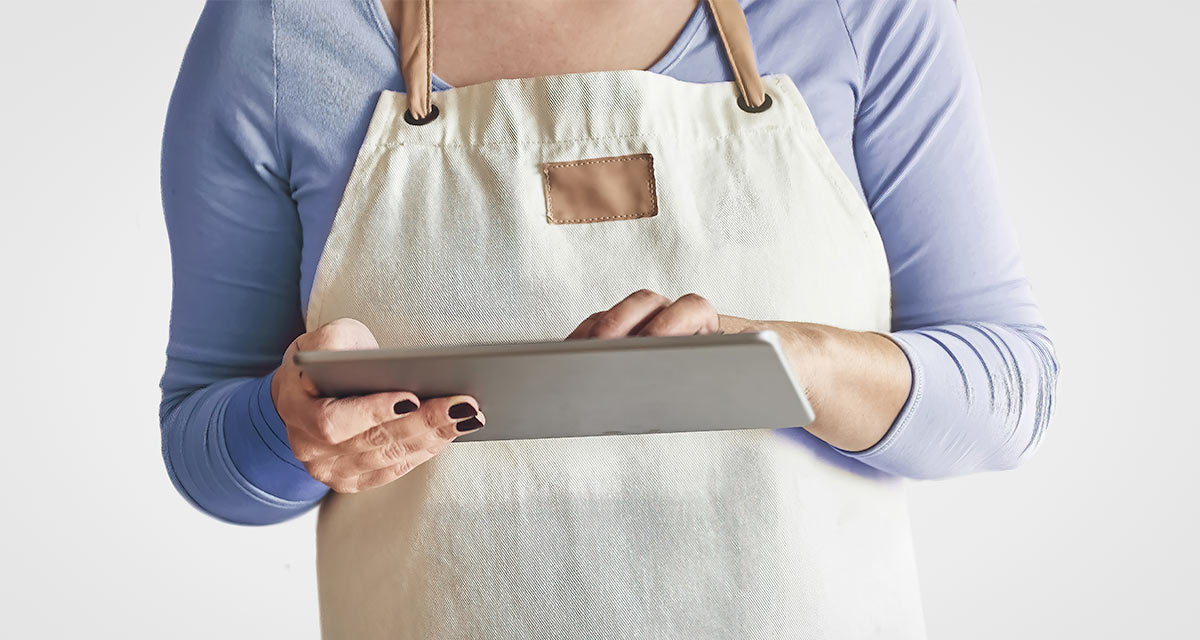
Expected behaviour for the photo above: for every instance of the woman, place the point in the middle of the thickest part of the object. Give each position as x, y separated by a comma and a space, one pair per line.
634, 174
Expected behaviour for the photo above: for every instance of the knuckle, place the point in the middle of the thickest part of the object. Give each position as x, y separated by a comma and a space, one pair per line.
325, 429
396, 450
301, 343
321, 474
433, 419
377, 436
343, 325
339, 334
695, 298
645, 294
304, 453
322, 333
402, 468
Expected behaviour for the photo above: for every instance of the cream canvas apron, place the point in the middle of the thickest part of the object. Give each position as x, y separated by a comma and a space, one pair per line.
452, 230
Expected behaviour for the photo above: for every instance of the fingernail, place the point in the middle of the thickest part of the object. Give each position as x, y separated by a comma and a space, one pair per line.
462, 410
404, 406
469, 425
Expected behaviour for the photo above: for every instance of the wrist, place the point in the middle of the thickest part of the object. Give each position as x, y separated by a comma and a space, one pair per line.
734, 324
274, 384
809, 349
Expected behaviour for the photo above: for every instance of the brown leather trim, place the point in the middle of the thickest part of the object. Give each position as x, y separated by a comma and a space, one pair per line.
735, 35
598, 189
416, 51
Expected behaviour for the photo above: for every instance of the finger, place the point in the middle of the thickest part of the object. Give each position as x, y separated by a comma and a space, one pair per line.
380, 477
584, 327
434, 416
308, 386
311, 452
335, 420
319, 454
629, 315
342, 334
290, 377
414, 445
689, 315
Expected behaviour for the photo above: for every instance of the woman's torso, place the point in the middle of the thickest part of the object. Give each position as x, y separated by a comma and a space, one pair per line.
442, 237
333, 58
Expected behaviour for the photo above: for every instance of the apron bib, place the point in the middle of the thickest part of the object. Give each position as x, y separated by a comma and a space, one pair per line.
450, 232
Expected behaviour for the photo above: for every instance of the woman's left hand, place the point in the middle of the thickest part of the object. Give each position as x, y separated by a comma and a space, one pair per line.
857, 381
646, 313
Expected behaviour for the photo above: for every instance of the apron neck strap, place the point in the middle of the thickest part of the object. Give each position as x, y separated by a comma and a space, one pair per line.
416, 56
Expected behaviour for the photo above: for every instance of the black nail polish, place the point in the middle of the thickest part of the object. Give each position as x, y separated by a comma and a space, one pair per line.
470, 424
404, 406
462, 410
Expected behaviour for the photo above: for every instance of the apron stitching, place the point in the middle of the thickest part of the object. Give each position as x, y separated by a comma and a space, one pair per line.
517, 143
603, 161
631, 216
549, 197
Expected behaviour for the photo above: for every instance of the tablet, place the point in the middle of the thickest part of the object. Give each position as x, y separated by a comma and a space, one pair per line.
589, 387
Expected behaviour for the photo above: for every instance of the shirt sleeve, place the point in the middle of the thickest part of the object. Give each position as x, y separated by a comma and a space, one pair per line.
235, 252
983, 364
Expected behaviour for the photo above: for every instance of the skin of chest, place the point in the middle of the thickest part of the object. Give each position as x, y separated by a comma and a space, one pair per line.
481, 40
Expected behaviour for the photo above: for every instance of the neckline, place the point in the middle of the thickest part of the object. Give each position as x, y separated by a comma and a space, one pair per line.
683, 42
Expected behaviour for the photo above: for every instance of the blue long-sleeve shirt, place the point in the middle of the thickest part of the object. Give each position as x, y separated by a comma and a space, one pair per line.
273, 100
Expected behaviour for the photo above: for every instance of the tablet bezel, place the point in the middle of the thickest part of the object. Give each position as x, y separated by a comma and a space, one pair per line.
787, 395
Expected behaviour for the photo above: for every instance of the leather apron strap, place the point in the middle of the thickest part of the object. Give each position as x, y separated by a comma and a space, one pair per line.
416, 56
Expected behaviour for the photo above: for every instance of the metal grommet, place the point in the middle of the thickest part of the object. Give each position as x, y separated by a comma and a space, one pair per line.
766, 104
430, 117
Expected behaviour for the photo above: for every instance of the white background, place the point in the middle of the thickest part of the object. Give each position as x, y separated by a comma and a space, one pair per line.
1093, 108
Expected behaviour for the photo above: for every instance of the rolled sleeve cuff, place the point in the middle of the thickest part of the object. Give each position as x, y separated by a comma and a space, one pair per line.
894, 452
256, 437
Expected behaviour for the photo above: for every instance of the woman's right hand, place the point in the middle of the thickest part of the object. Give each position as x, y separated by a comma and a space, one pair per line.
359, 442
